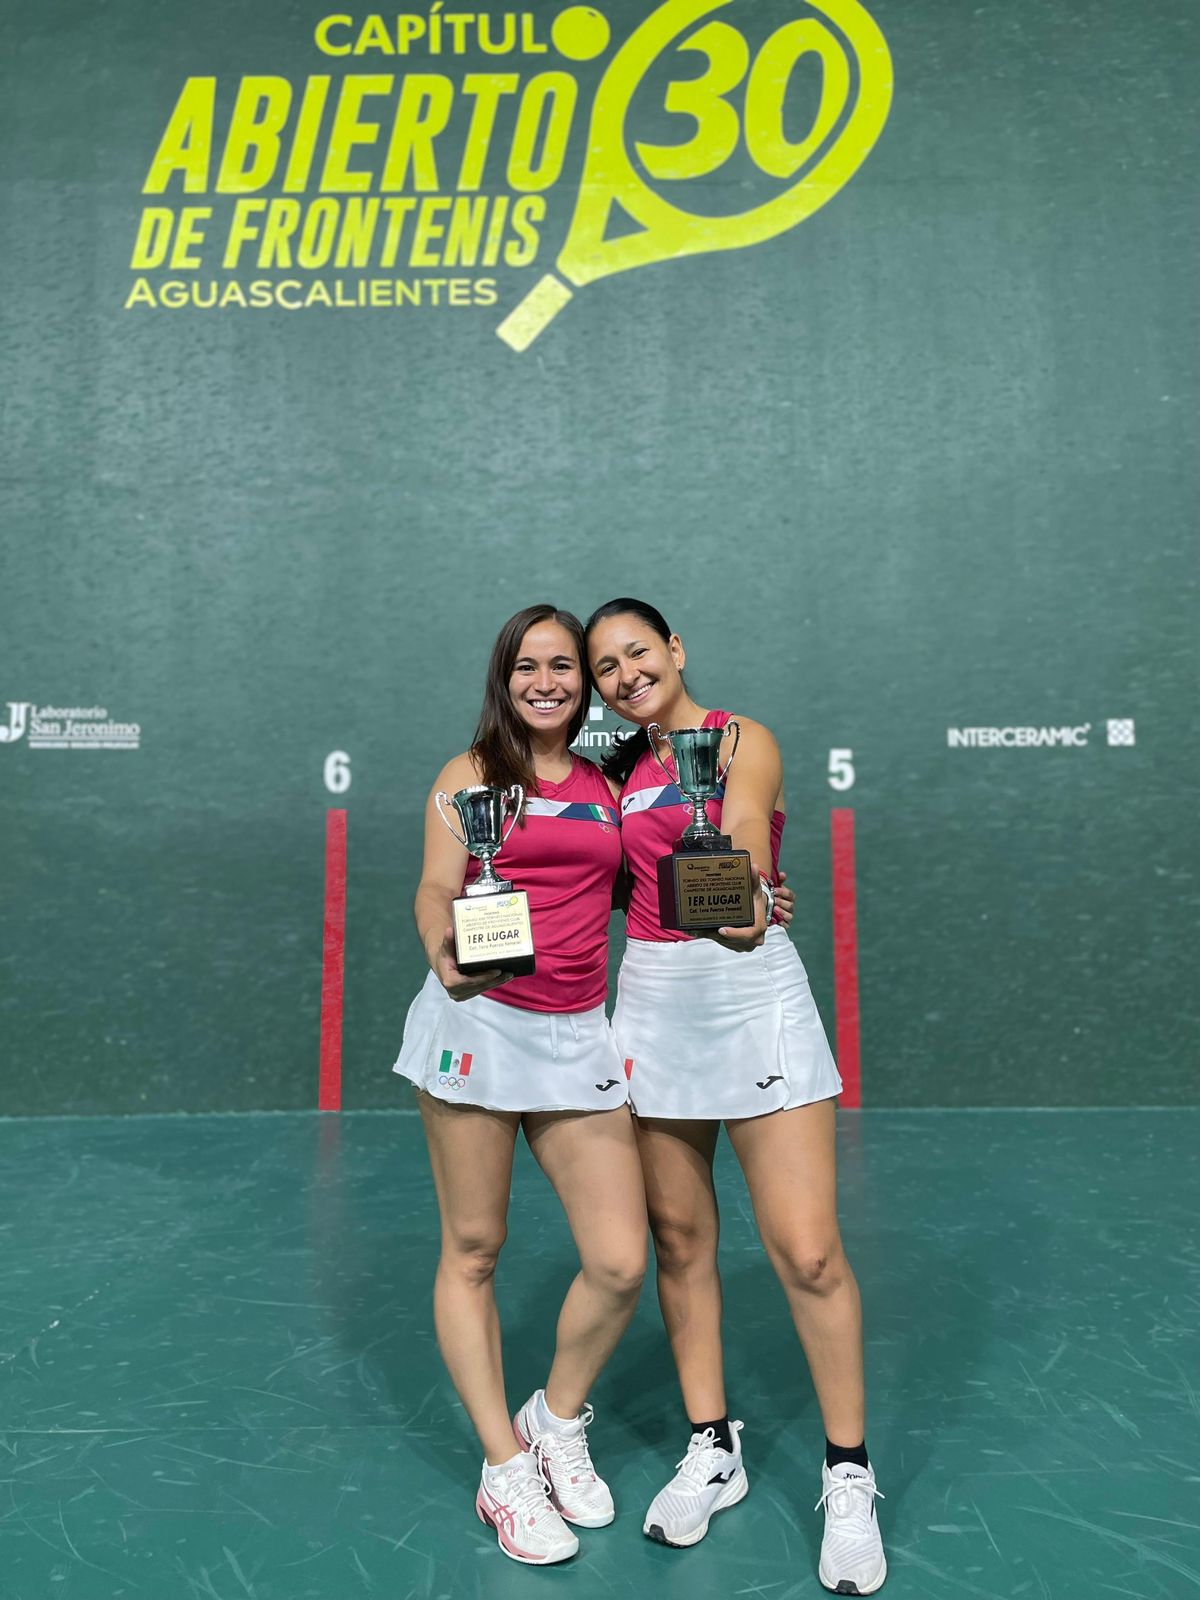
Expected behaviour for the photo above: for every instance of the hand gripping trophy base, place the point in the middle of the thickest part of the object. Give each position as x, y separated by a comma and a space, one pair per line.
704, 884
492, 928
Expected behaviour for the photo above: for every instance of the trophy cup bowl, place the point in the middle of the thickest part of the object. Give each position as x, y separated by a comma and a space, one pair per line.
492, 928
481, 811
697, 753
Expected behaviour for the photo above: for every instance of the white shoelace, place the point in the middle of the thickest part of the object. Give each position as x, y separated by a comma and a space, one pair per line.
697, 1466
852, 1508
571, 1449
527, 1491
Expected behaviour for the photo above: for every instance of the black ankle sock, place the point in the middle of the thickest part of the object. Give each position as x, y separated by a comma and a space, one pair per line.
840, 1452
720, 1428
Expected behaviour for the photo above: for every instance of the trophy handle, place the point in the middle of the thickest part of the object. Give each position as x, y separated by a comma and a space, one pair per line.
654, 733
737, 734
437, 800
516, 795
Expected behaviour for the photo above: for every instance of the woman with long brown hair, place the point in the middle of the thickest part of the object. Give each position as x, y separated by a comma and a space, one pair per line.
491, 1057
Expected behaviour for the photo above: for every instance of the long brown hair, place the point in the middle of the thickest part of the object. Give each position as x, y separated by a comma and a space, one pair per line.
501, 745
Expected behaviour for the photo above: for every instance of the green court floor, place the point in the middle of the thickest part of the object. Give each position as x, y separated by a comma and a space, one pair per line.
219, 1380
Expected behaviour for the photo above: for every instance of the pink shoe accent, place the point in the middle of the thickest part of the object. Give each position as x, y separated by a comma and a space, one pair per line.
569, 1515
502, 1520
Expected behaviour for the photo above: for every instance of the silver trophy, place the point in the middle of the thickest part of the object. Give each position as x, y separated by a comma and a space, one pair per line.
481, 810
704, 883
697, 753
492, 924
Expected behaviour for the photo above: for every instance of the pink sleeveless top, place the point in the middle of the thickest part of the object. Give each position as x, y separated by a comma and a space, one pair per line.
653, 815
566, 858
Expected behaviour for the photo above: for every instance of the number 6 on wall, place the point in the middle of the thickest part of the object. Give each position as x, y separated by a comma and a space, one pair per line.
337, 772
841, 769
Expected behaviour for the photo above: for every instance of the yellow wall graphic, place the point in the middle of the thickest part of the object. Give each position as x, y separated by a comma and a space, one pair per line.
425, 172
611, 177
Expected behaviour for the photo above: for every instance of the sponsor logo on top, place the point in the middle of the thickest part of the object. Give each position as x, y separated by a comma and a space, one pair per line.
1067, 736
67, 728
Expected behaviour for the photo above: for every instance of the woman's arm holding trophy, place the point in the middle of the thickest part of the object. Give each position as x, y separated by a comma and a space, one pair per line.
441, 881
752, 784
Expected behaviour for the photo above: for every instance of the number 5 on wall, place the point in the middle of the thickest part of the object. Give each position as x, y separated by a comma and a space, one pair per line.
841, 769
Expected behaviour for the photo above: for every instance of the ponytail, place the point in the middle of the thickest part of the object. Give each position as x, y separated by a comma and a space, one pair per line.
627, 749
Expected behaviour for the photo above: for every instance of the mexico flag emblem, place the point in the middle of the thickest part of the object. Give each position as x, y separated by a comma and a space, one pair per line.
454, 1069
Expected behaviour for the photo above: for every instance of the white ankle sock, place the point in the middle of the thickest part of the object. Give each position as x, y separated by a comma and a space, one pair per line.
546, 1420
492, 1472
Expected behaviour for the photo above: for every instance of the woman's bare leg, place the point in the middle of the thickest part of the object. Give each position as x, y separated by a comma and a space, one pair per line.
471, 1153
591, 1158
790, 1165
677, 1158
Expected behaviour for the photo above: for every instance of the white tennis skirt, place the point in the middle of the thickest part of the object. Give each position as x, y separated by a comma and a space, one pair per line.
713, 1033
481, 1053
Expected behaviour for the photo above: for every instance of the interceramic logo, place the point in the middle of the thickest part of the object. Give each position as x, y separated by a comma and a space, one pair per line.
68, 728
1118, 730
1069, 736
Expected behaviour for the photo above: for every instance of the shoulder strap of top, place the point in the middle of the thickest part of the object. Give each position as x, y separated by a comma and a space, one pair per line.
646, 772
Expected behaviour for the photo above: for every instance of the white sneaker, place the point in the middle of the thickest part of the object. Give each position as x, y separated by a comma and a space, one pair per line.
708, 1480
577, 1491
514, 1499
852, 1560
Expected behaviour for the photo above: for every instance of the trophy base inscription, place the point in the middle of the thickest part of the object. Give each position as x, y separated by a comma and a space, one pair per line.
493, 932
700, 890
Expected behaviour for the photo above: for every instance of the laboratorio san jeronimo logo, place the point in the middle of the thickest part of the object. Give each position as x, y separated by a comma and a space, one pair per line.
49, 727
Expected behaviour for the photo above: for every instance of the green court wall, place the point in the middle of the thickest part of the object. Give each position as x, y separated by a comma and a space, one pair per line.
921, 463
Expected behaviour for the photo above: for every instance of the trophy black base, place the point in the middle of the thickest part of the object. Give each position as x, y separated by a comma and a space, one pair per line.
700, 890
515, 966
493, 933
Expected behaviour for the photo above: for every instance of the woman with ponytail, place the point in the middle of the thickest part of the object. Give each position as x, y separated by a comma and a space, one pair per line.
492, 1057
723, 1028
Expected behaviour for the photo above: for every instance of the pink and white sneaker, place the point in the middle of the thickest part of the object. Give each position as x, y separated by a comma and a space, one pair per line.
577, 1491
514, 1499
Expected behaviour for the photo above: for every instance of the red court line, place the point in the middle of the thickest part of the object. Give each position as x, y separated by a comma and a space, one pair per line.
333, 962
845, 954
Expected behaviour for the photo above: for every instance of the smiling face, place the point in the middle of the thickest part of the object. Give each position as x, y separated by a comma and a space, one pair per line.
546, 682
636, 670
